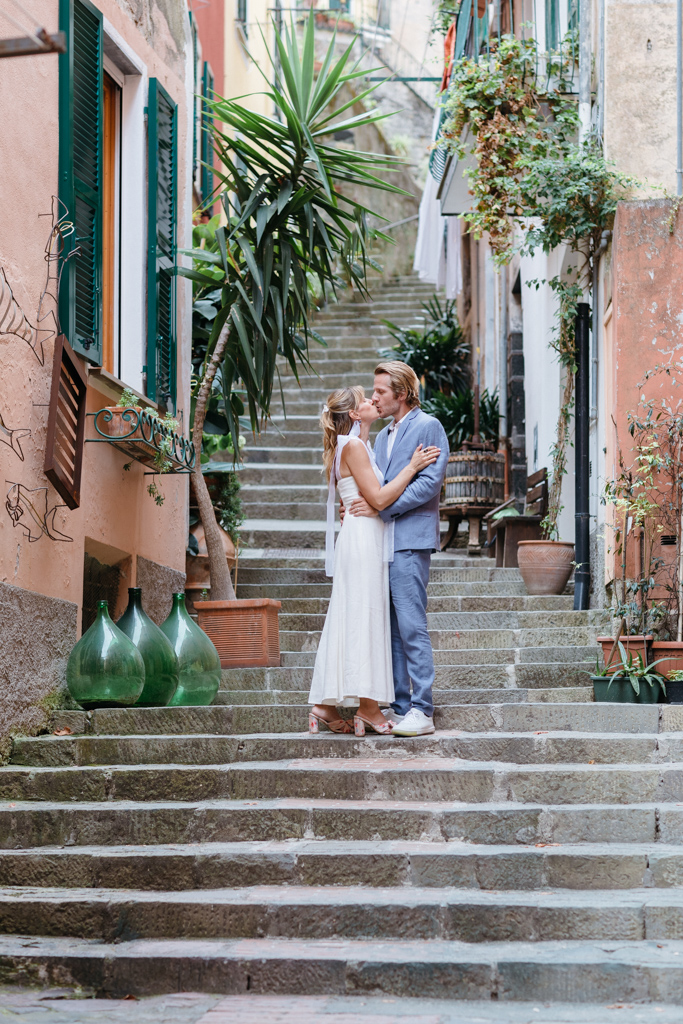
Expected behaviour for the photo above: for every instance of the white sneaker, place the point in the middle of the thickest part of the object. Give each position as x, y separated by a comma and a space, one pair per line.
392, 716
415, 723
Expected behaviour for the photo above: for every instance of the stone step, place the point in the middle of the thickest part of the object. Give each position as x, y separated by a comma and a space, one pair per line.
310, 572
510, 971
283, 474
285, 455
292, 511
411, 778
314, 599
551, 695
344, 912
478, 621
532, 664
110, 822
556, 748
569, 637
457, 865
445, 569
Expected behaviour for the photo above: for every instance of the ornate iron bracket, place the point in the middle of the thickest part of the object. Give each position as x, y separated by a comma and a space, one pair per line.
140, 434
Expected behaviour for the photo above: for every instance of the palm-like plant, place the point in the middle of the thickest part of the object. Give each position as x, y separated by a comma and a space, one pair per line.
281, 188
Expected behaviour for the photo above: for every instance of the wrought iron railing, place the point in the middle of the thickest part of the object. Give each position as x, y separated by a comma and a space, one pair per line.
145, 437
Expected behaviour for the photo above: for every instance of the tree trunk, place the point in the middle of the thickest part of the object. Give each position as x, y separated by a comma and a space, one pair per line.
219, 572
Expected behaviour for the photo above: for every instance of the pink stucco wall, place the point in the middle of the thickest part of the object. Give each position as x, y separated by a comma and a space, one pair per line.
644, 323
115, 509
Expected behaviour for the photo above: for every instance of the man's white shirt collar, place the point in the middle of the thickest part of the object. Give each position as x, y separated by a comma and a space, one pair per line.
392, 432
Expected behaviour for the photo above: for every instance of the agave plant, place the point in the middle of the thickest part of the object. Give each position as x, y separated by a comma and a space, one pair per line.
281, 187
455, 413
637, 671
437, 352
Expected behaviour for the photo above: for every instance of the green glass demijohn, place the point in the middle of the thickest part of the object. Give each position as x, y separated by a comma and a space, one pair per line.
105, 669
200, 666
161, 664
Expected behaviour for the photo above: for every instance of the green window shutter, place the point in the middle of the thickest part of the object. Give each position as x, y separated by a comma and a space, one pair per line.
552, 25
161, 331
207, 134
195, 85
80, 176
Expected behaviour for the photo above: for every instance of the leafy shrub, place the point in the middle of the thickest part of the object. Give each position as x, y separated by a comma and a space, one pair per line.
455, 413
437, 353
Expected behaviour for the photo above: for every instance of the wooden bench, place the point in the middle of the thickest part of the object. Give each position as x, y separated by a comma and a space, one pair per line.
505, 534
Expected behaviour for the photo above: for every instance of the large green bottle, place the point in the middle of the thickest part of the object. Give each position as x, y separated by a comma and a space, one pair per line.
200, 666
105, 669
161, 664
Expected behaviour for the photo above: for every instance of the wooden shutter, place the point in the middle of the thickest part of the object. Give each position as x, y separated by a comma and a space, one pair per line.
80, 176
66, 424
161, 333
207, 134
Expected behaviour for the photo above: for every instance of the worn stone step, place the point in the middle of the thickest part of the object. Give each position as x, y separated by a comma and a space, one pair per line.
503, 748
277, 474
664, 720
284, 455
314, 600
353, 912
503, 622
569, 637
110, 822
567, 694
587, 866
312, 570
529, 659
289, 510
373, 777
639, 971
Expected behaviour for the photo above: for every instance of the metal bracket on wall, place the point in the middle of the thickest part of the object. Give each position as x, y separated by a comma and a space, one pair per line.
144, 437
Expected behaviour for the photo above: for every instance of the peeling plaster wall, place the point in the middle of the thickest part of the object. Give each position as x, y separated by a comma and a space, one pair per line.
640, 88
115, 509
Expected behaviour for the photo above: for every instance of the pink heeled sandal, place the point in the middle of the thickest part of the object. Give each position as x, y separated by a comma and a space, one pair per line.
339, 726
360, 723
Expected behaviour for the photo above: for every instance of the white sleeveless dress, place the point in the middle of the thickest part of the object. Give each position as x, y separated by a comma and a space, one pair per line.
354, 655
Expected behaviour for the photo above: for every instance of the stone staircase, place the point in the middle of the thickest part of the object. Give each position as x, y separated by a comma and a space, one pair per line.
529, 850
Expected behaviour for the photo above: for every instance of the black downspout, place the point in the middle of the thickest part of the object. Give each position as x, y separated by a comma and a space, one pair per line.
582, 572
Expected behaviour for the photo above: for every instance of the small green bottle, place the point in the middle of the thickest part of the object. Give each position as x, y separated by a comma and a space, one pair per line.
105, 670
200, 666
161, 664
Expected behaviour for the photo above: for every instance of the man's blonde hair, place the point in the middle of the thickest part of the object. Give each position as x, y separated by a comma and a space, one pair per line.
402, 378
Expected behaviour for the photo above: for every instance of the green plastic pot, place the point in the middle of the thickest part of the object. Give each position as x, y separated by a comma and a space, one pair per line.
621, 691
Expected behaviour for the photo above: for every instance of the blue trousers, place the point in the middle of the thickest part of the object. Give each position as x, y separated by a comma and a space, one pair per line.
411, 648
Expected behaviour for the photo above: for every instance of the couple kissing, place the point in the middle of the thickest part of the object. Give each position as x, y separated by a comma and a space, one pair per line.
375, 651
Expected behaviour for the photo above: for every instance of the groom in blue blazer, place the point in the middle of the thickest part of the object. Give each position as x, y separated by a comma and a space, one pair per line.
415, 516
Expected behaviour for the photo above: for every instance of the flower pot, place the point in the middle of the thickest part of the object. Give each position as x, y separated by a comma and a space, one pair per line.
545, 565
634, 645
245, 633
674, 691
197, 572
618, 690
126, 423
669, 654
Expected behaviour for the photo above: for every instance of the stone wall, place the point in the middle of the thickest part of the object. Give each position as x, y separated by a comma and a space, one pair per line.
159, 583
36, 637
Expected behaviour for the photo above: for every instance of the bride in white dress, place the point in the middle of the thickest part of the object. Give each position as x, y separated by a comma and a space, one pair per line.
353, 663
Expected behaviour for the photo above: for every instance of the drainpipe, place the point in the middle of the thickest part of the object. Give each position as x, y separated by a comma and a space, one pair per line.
585, 69
582, 573
604, 241
679, 98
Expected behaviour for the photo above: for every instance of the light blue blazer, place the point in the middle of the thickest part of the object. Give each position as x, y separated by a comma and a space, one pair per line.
416, 512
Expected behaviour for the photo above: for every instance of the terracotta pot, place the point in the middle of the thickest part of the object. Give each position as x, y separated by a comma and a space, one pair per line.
245, 633
545, 565
669, 654
634, 645
197, 566
126, 429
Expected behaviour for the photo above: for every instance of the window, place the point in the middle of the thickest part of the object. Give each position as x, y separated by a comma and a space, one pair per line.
206, 134
161, 334
552, 25
241, 15
80, 176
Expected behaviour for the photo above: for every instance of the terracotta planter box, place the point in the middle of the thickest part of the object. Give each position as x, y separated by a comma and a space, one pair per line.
545, 565
126, 429
621, 692
632, 644
245, 633
669, 654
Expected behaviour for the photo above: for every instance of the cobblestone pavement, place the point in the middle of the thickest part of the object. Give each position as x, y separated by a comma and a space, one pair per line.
54, 1006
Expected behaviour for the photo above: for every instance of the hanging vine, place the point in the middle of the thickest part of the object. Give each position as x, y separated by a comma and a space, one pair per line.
534, 186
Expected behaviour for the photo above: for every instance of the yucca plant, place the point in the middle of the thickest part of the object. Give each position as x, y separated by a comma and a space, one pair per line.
288, 223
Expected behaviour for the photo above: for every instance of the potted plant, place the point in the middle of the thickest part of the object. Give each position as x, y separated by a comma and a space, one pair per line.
645, 588
674, 686
287, 223
634, 682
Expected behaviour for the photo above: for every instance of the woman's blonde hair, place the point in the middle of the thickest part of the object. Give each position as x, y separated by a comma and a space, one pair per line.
402, 378
335, 420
